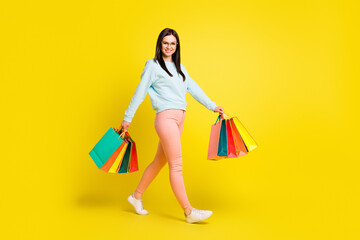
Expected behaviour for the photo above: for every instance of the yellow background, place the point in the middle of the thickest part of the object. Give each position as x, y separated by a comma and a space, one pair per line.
288, 70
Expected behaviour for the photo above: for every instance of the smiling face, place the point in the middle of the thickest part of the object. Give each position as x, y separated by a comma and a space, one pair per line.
168, 45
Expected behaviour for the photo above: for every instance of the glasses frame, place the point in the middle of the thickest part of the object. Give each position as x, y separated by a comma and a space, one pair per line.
169, 44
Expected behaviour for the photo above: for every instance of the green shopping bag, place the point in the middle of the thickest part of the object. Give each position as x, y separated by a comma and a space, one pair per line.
223, 148
125, 161
105, 147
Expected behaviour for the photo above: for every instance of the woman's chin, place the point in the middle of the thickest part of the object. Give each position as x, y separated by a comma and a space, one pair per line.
167, 54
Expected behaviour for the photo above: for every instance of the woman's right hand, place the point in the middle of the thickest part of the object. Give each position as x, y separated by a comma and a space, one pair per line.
219, 109
125, 125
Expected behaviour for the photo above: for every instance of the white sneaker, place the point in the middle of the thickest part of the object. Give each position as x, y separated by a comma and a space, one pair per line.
197, 215
137, 204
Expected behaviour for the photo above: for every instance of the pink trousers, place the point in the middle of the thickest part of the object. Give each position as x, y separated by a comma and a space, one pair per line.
168, 125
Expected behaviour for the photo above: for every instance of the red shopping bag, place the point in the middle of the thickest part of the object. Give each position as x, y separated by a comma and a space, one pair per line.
133, 162
130, 163
231, 153
239, 143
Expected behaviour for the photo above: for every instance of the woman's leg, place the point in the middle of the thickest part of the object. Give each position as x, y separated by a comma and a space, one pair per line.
151, 171
169, 125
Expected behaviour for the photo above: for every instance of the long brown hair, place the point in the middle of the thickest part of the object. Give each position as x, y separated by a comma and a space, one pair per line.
175, 56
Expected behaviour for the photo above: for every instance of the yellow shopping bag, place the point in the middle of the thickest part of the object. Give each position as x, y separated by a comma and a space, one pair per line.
248, 140
115, 167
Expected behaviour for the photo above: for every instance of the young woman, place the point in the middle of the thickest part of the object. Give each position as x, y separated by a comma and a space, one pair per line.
167, 81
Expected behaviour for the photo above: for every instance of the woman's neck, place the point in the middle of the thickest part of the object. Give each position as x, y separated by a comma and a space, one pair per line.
167, 59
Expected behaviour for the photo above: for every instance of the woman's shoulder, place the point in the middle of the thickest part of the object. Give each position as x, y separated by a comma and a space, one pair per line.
151, 63
182, 66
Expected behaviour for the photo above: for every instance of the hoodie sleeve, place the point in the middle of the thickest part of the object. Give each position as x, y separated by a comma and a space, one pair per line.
141, 90
198, 94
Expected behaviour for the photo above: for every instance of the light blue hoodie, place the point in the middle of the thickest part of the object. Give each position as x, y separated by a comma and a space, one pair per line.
166, 92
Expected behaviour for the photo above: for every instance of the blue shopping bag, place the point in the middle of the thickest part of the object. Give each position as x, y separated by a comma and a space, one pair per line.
105, 147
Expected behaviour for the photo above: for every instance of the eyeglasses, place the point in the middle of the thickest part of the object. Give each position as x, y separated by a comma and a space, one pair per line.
173, 44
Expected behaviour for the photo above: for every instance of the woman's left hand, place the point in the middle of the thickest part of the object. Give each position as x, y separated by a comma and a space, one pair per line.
219, 109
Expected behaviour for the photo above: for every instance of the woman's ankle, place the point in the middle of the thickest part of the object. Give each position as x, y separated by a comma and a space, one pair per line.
137, 195
188, 210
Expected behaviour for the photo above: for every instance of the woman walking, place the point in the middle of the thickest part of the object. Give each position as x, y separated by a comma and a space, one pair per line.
167, 81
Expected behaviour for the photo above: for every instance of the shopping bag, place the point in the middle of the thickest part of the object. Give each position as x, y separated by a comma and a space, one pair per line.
223, 147
231, 150
115, 152
129, 161
125, 161
112, 159
249, 142
229, 139
214, 140
105, 147
116, 166
133, 166
239, 143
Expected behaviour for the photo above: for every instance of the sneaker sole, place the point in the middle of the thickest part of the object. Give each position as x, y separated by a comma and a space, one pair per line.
194, 221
